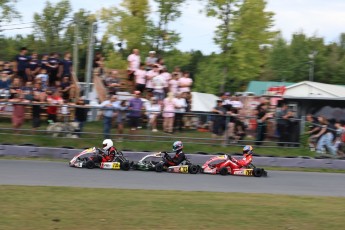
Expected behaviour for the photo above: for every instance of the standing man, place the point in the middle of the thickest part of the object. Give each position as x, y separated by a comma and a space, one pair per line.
133, 65
151, 60
33, 67
21, 63
109, 107
282, 117
135, 106
66, 65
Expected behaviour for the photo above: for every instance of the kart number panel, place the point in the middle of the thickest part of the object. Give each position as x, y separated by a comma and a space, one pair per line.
178, 169
244, 172
111, 165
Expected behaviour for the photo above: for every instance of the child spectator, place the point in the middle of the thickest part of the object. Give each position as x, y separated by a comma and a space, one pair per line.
66, 88
44, 78
53, 100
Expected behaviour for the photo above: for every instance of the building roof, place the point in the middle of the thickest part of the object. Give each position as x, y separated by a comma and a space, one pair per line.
260, 87
309, 89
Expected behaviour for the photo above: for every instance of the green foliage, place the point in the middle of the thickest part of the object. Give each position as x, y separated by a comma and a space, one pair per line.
178, 58
8, 10
115, 60
52, 21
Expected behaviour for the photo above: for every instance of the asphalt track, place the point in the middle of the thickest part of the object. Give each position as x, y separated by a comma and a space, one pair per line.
42, 173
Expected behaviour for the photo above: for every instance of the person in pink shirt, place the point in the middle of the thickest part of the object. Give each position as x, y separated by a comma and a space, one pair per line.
173, 83
140, 78
133, 64
149, 76
185, 82
169, 106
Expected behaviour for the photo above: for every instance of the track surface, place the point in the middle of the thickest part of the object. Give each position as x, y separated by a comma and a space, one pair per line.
16, 172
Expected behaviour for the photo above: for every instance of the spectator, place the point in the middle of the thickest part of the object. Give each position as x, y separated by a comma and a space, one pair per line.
167, 76
324, 136
109, 107
218, 119
180, 110
8, 70
187, 119
262, 117
236, 103
45, 63
121, 107
53, 67
158, 83
38, 97
282, 116
140, 78
313, 128
134, 115
226, 101
185, 82
54, 99
21, 63
33, 67
112, 83
66, 64
335, 148
151, 60
5, 83
66, 87
149, 76
18, 115
81, 114
153, 109
98, 64
177, 72
160, 63
27, 90
43, 76
173, 83
16, 87
169, 106
133, 64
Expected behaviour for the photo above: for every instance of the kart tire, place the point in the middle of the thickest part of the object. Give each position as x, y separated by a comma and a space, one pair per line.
193, 169
90, 164
258, 172
125, 166
223, 171
159, 167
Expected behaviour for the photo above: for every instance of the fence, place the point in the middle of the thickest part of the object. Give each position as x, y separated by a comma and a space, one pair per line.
199, 128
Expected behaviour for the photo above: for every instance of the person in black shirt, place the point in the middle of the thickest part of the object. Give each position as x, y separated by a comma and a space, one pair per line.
37, 99
33, 67
81, 114
262, 116
53, 65
21, 63
219, 119
66, 64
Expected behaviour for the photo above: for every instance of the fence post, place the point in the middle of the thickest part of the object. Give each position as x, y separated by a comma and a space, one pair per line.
227, 120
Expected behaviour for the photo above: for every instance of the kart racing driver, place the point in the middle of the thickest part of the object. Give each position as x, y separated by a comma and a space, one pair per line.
179, 155
108, 152
246, 160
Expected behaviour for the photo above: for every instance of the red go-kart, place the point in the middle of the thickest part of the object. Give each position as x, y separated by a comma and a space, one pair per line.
225, 165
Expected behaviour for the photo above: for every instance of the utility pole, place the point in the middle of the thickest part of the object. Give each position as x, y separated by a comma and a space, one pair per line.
90, 59
75, 47
312, 63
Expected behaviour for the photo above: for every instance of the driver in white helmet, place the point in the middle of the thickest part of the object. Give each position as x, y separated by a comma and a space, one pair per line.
109, 151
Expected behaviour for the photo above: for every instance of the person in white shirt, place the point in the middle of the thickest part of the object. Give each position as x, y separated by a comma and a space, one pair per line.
149, 76
236, 103
153, 109
159, 84
180, 109
133, 64
151, 60
140, 78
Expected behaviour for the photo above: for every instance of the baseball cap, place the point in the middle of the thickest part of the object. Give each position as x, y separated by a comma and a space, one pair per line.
227, 94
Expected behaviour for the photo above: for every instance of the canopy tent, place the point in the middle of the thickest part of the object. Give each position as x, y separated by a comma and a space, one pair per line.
203, 102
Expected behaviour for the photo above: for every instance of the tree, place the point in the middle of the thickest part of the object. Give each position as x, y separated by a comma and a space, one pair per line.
50, 24
168, 11
8, 10
129, 23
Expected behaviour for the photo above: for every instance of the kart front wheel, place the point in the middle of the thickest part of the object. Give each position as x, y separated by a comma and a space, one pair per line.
223, 171
193, 169
125, 165
90, 164
159, 167
258, 172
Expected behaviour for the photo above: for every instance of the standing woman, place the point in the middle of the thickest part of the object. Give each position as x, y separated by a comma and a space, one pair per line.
262, 116
169, 113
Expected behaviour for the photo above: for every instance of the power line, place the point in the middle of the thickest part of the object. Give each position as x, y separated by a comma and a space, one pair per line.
18, 28
24, 23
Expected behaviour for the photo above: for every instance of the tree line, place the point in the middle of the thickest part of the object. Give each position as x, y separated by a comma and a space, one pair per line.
249, 48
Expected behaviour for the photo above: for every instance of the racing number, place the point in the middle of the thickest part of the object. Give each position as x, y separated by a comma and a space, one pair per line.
184, 169
116, 165
249, 172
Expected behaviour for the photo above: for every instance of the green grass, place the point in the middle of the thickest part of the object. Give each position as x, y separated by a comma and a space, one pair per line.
83, 208
140, 143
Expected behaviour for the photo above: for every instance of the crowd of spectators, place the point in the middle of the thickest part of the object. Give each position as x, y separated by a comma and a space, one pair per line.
37, 79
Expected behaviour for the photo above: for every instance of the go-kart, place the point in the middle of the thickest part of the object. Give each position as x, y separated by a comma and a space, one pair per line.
90, 162
185, 167
222, 165
148, 163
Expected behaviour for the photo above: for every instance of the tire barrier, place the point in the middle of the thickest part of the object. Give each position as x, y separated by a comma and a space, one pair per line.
68, 153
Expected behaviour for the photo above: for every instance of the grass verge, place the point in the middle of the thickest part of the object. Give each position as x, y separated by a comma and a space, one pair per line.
81, 208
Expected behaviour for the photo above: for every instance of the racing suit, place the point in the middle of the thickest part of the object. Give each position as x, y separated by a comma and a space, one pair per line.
176, 160
106, 156
245, 161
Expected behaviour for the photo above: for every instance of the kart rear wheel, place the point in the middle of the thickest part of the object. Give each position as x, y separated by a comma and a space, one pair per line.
159, 167
223, 171
193, 169
90, 164
258, 172
125, 166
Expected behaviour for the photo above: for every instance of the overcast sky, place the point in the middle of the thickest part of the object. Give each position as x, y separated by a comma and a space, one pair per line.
313, 17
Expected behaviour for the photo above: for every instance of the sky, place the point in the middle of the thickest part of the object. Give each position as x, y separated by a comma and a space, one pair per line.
312, 17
